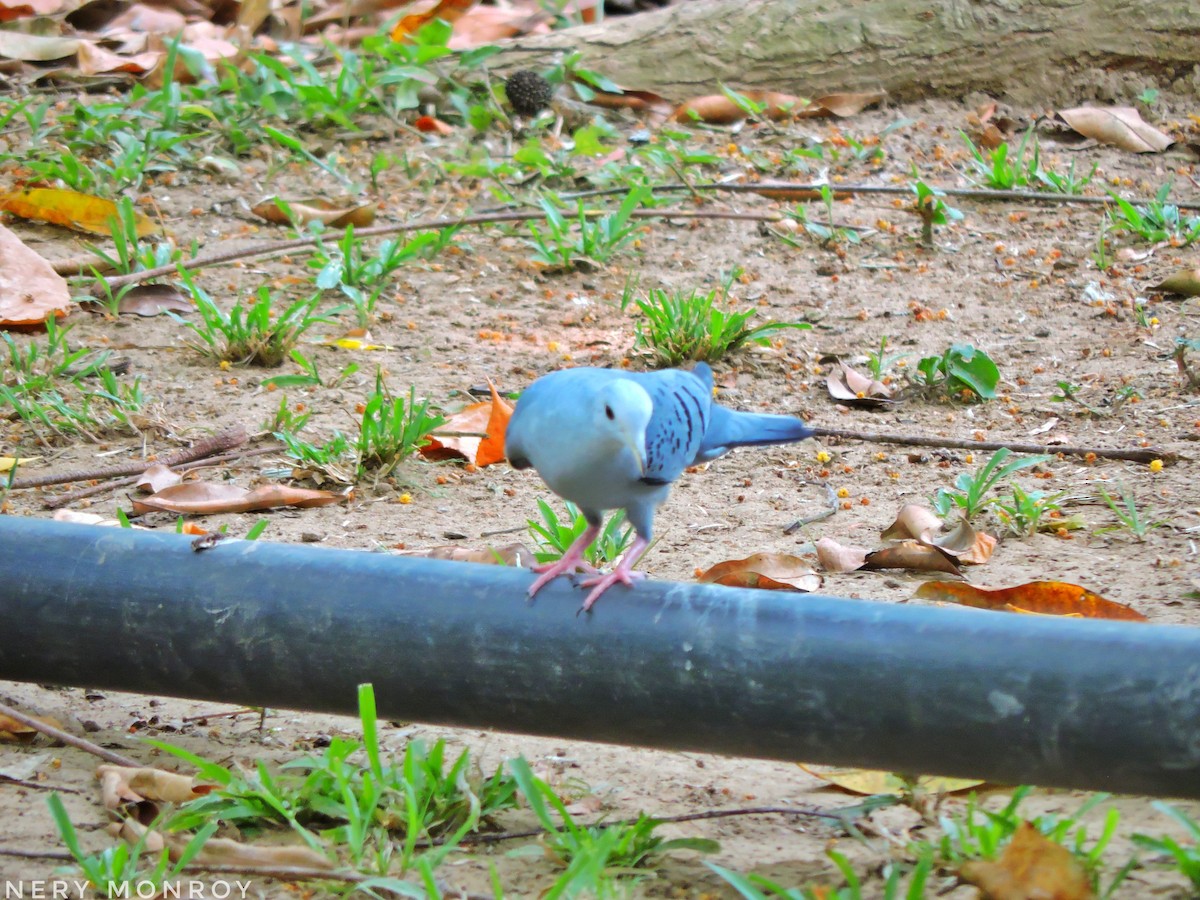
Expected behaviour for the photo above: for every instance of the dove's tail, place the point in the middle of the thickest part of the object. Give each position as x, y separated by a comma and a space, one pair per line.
729, 429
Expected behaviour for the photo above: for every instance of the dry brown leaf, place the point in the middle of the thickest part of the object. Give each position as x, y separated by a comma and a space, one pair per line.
913, 555
353, 9
226, 852
93, 59
142, 18
835, 557
849, 385
157, 478
1055, 598
30, 290
152, 300
71, 209
1121, 126
488, 24
638, 101
198, 498
913, 521
316, 209
122, 784
1185, 282
841, 105
766, 571
509, 555
1032, 867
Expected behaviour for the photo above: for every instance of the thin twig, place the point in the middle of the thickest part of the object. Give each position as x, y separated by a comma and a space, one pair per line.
814, 189
65, 737
223, 440
92, 489
270, 248
1134, 454
830, 500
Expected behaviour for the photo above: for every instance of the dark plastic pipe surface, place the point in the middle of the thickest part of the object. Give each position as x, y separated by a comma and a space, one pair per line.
1013, 699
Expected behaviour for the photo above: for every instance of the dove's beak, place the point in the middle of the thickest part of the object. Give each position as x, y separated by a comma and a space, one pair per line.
636, 444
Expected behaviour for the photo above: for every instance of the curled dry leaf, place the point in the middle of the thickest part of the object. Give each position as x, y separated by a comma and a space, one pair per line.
475, 433
1121, 126
835, 557
913, 521
1049, 598
1185, 282
315, 209
30, 290
12, 731
872, 782
93, 59
226, 852
152, 300
1031, 866
850, 386
509, 555
913, 555
767, 571
122, 784
198, 498
71, 209
156, 478
968, 546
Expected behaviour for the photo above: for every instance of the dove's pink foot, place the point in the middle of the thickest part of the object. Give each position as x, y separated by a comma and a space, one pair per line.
622, 574
570, 561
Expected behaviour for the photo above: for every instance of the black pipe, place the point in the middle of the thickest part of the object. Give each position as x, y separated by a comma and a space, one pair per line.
1013, 699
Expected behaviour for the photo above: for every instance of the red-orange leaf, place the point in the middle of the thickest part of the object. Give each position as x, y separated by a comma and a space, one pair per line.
1048, 598
447, 10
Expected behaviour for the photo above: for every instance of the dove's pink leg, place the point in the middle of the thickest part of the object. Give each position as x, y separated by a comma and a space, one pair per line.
623, 573
568, 563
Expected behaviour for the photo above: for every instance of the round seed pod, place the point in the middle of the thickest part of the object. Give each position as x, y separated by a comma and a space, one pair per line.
528, 92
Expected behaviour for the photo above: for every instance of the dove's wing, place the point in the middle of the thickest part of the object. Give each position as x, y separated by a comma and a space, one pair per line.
682, 408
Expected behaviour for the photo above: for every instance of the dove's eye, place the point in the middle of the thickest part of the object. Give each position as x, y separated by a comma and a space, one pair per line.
608, 412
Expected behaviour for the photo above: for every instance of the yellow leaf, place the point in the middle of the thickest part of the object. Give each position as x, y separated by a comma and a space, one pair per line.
871, 782
71, 209
7, 462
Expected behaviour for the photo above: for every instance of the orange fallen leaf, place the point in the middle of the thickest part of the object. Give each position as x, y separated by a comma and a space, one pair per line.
316, 209
12, 731
30, 290
1121, 126
717, 109
475, 433
71, 209
449, 11
1032, 867
1054, 598
200, 498
20, 9
432, 125
873, 782
766, 571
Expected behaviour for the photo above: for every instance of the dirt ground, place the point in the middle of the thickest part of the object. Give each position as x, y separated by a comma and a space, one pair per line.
1015, 279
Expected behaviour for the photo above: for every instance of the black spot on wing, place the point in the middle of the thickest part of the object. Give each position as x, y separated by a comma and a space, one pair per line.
520, 462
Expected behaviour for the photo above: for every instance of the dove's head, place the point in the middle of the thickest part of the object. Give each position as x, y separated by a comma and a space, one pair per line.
622, 414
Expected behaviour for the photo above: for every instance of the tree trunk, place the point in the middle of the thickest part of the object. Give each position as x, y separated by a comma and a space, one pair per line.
1023, 50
